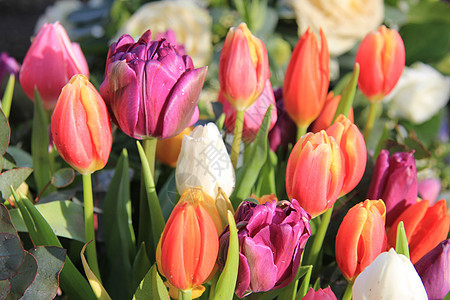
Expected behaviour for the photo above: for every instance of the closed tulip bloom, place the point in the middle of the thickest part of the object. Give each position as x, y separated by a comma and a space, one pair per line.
394, 180
434, 270
353, 146
307, 79
81, 127
315, 172
167, 150
429, 189
243, 67
50, 62
284, 131
204, 161
326, 116
253, 116
272, 237
187, 251
381, 57
389, 276
320, 294
150, 89
425, 226
361, 237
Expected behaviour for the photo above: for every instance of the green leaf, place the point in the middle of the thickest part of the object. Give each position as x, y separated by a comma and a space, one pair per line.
5, 132
8, 95
119, 233
64, 217
429, 11
348, 94
220, 120
141, 265
5, 287
6, 225
14, 178
62, 177
167, 195
96, 285
151, 287
24, 278
227, 281
21, 157
11, 255
401, 245
305, 284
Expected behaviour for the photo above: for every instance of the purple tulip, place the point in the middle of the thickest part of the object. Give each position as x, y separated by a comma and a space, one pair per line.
394, 180
434, 270
150, 89
8, 65
272, 237
320, 294
284, 131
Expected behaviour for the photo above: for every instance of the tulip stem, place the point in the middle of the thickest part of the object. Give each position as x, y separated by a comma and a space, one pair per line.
236, 147
319, 237
150, 150
301, 131
348, 292
373, 111
185, 295
91, 251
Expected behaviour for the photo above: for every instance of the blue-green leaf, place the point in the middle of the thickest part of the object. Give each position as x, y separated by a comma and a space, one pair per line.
151, 287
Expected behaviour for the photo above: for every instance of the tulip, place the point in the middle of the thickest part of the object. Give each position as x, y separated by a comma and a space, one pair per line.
315, 172
80, 127
394, 180
320, 294
307, 78
381, 57
361, 237
352, 145
434, 270
204, 161
389, 276
429, 189
326, 116
253, 116
283, 132
49, 64
167, 150
187, 251
425, 226
272, 237
8, 65
243, 67
151, 90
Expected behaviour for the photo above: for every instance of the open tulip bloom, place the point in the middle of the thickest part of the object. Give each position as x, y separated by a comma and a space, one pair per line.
219, 153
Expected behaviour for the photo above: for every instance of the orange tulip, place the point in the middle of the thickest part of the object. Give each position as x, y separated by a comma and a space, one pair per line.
361, 237
352, 145
381, 57
81, 128
189, 245
425, 226
326, 116
167, 150
307, 78
315, 172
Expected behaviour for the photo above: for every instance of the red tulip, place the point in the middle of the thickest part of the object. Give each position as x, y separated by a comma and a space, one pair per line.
381, 57
307, 78
81, 127
361, 237
326, 116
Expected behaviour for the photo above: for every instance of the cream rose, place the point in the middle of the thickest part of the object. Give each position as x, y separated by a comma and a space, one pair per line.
344, 22
190, 22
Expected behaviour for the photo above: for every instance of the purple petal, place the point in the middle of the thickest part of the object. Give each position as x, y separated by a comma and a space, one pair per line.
243, 278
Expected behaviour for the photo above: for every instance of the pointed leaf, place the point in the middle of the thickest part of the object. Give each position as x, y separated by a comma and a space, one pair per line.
305, 284
8, 96
151, 287
348, 94
5, 133
141, 265
96, 285
62, 177
24, 278
11, 255
401, 245
14, 178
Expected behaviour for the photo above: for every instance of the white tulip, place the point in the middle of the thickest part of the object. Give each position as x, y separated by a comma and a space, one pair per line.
389, 276
420, 93
204, 161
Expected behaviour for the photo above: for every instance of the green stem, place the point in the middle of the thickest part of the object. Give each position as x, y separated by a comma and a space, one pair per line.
8, 95
91, 251
373, 111
150, 150
301, 130
185, 295
238, 126
319, 237
348, 292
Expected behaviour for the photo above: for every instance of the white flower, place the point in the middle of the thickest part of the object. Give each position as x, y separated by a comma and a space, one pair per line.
420, 93
190, 22
389, 276
204, 161
344, 22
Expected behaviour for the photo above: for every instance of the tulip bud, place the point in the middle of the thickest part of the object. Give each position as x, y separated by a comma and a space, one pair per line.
361, 237
253, 116
434, 270
389, 276
187, 251
394, 180
243, 67
429, 189
204, 161
425, 226
327, 113
81, 128
307, 78
167, 150
315, 172
353, 147
381, 57
8, 65
272, 237
321, 294
150, 89
49, 63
